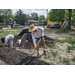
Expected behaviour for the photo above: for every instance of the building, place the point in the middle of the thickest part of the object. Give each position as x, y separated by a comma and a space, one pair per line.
42, 21
31, 21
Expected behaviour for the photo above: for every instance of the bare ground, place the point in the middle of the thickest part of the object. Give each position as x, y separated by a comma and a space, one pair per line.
56, 55
52, 33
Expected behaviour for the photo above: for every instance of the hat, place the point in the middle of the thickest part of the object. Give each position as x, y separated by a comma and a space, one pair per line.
32, 28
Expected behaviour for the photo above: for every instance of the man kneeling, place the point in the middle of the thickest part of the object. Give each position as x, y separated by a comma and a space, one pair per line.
8, 40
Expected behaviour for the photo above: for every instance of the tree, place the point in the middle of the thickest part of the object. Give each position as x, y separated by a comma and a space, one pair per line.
42, 17
45, 22
6, 14
70, 11
73, 17
1, 19
57, 15
20, 17
35, 16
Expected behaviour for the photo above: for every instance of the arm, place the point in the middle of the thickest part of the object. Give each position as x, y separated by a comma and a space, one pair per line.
42, 30
5, 41
34, 40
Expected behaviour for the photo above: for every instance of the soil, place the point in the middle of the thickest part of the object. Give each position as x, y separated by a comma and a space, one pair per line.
52, 33
27, 42
13, 57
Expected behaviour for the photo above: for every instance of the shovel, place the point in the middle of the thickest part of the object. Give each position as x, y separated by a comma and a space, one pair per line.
32, 53
19, 41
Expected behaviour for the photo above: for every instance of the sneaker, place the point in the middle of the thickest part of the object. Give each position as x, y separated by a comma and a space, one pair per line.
45, 53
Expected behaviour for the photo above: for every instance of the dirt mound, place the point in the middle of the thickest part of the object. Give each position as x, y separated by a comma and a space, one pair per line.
14, 57
28, 37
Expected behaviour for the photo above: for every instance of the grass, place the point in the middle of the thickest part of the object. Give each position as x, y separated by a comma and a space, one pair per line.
50, 45
1, 63
68, 51
11, 31
48, 55
73, 59
71, 47
70, 41
54, 54
59, 32
66, 61
46, 47
63, 31
3, 26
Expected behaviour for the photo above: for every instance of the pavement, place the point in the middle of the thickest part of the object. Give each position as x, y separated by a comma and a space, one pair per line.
6, 28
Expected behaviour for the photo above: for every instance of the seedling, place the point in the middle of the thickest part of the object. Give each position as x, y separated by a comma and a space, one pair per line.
73, 59
54, 54
50, 45
66, 61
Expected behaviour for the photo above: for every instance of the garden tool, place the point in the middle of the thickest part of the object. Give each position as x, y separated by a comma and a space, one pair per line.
19, 41
32, 53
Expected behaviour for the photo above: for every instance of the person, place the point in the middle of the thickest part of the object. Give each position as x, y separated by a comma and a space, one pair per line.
11, 25
8, 40
37, 33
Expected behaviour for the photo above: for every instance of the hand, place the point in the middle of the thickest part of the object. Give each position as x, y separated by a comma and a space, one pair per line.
2, 45
42, 36
35, 46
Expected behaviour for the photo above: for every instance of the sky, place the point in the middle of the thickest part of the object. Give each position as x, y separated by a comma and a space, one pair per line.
29, 11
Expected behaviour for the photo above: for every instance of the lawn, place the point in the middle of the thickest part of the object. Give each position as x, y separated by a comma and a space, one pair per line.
3, 26
10, 31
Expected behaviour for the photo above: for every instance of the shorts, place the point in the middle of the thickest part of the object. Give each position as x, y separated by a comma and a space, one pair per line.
41, 42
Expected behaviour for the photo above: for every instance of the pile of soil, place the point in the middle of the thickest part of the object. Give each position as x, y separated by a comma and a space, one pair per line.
27, 37
13, 57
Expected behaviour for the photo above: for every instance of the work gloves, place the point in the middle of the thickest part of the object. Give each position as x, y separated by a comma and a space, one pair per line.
2, 45
42, 36
35, 46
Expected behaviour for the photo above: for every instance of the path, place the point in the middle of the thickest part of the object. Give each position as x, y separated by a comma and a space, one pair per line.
52, 34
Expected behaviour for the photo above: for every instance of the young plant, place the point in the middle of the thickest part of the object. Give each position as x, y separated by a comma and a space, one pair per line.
73, 59
66, 61
50, 45
54, 54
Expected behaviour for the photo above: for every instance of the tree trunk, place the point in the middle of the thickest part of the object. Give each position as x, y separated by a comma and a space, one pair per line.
70, 10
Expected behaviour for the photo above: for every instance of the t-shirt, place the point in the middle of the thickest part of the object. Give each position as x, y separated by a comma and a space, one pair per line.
9, 37
37, 34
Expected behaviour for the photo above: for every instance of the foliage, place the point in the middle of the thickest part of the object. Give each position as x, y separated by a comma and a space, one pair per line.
45, 22
35, 16
71, 47
42, 17
1, 19
6, 14
50, 45
73, 17
57, 15
73, 59
20, 17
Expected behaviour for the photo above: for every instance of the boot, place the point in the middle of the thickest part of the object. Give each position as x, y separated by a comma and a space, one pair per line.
45, 52
38, 55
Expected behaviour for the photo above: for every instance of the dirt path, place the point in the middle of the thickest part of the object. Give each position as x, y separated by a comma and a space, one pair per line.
52, 34
56, 55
